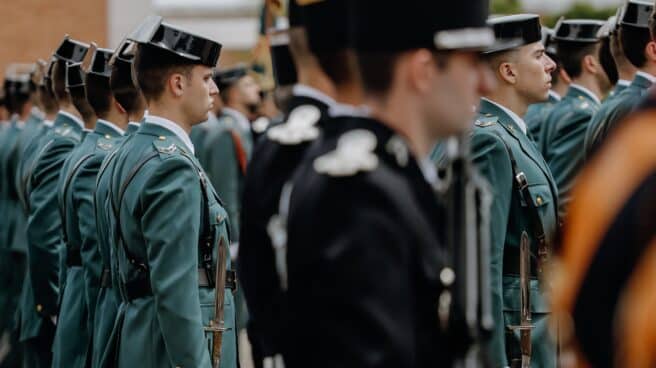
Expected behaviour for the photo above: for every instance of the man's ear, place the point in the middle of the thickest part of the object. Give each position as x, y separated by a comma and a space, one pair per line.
420, 67
564, 76
507, 72
590, 64
650, 51
176, 84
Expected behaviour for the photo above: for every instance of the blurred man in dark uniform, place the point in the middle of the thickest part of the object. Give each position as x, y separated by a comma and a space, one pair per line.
366, 261
325, 71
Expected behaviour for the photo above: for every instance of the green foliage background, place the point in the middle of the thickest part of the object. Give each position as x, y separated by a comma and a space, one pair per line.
578, 10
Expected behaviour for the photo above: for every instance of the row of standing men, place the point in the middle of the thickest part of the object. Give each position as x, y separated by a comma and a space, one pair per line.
341, 237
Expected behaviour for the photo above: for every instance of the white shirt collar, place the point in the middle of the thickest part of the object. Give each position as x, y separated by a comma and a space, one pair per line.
135, 123
37, 112
73, 117
339, 109
647, 76
242, 120
519, 121
555, 95
623, 82
307, 91
174, 128
48, 123
112, 126
586, 91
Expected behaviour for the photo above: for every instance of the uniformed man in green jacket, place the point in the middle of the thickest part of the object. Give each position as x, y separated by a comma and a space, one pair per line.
537, 113
13, 259
563, 135
27, 317
44, 222
635, 29
167, 219
229, 146
75, 191
521, 211
125, 94
625, 70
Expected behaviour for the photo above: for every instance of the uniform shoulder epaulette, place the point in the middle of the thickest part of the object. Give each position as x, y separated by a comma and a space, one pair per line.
300, 126
486, 120
582, 103
354, 153
228, 121
105, 143
261, 124
165, 146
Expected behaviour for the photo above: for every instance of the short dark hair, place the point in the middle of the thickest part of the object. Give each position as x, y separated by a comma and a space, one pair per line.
126, 93
47, 98
59, 81
153, 67
607, 61
79, 99
339, 65
571, 55
99, 94
377, 69
634, 40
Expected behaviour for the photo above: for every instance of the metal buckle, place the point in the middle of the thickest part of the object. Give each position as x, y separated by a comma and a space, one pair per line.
521, 180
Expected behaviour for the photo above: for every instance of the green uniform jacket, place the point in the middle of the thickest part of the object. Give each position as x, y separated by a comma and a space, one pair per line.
564, 136
44, 221
537, 115
199, 137
509, 218
9, 228
161, 221
29, 320
614, 109
16, 245
83, 266
219, 157
109, 298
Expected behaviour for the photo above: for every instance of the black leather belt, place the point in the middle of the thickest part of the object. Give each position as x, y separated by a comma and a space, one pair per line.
106, 279
231, 279
511, 263
73, 258
140, 288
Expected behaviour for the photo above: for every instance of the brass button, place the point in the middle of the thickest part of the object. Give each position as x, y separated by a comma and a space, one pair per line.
539, 200
162, 138
107, 136
39, 308
219, 218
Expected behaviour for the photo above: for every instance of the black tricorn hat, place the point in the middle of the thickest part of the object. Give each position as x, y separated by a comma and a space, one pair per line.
225, 78
327, 24
390, 26
152, 31
71, 51
74, 75
100, 63
578, 30
636, 13
513, 31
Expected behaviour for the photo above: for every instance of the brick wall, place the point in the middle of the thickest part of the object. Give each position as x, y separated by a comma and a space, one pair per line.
31, 29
